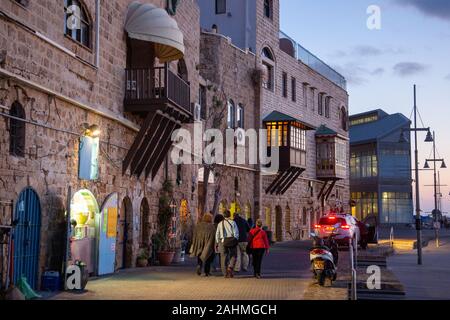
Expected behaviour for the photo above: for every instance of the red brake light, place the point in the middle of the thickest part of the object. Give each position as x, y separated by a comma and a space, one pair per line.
318, 251
331, 218
317, 226
345, 227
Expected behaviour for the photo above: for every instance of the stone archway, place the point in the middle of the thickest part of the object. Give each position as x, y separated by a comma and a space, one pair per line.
145, 224
124, 251
278, 224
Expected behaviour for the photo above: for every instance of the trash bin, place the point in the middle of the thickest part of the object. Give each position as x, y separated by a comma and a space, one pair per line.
51, 281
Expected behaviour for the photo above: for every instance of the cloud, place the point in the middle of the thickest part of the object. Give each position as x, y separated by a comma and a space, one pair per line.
447, 77
366, 50
405, 69
378, 72
434, 8
356, 74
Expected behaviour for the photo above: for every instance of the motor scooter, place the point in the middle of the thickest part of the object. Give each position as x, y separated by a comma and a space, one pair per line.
324, 256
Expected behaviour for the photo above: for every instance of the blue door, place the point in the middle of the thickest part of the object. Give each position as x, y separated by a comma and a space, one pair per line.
107, 221
27, 237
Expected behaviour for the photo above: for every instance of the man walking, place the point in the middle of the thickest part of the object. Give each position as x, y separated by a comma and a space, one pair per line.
242, 256
227, 239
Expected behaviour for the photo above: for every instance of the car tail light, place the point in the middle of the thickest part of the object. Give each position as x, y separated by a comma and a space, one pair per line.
318, 251
317, 226
346, 227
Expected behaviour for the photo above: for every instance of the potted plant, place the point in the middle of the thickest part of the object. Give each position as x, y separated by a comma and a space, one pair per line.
165, 251
142, 258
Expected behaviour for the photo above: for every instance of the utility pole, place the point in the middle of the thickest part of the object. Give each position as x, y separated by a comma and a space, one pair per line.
436, 212
429, 138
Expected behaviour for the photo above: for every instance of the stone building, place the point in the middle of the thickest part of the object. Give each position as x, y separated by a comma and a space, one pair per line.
89, 97
244, 53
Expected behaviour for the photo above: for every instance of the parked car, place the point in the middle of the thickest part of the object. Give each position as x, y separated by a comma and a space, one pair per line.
346, 224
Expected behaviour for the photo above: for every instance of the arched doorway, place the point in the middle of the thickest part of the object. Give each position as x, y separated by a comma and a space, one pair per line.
288, 219
222, 207
145, 224
248, 211
27, 234
84, 215
234, 208
278, 224
268, 218
124, 252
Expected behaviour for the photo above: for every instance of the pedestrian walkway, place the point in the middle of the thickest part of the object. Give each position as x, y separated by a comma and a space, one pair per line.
286, 276
429, 281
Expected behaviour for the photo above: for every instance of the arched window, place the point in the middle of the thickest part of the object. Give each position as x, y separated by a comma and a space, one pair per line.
240, 116
268, 67
182, 70
344, 119
17, 130
231, 115
76, 22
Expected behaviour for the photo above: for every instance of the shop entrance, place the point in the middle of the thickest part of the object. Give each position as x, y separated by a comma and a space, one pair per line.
27, 237
124, 250
279, 224
85, 216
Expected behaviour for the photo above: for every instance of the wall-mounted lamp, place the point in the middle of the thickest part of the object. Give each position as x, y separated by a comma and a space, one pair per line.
91, 130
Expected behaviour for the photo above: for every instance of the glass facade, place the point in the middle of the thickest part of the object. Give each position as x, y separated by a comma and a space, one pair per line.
366, 204
397, 207
363, 164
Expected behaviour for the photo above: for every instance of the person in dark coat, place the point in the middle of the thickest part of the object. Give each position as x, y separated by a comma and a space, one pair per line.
259, 244
203, 244
242, 256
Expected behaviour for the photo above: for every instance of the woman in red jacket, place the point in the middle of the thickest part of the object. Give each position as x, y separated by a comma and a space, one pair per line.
258, 243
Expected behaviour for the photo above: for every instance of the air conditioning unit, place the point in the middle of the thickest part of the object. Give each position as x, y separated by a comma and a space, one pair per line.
197, 112
240, 137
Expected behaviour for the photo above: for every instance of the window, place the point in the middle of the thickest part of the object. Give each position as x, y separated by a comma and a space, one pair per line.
231, 115
221, 6
397, 206
298, 138
240, 116
202, 101
268, 63
285, 84
277, 134
304, 217
305, 95
77, 25
17, 130
311, 97
327, 107
294, 89
344, 119
268, 9
366, 204
320, 103
23, 3
363, 164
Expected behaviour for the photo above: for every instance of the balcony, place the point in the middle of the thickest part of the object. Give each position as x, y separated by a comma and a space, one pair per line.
331, 158
151, 89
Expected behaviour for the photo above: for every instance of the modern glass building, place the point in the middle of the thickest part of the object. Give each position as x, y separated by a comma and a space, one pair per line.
380, 167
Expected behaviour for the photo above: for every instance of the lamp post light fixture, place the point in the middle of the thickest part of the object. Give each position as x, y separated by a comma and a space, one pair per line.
91, 130
436, 211
429, 138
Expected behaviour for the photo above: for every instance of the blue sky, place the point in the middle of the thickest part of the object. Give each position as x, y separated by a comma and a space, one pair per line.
381, 66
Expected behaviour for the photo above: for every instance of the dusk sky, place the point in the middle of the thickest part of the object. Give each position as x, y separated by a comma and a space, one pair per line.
381, 66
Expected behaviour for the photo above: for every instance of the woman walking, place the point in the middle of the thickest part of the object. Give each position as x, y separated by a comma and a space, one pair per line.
259, 244
203, 245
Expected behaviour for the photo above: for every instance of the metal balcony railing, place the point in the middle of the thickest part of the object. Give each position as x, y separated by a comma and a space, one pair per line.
157, 83
305, 56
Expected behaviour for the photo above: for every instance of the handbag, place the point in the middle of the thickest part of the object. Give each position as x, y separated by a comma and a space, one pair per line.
229, 242
249, 249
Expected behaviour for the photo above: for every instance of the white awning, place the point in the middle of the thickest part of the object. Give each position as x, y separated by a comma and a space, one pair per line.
149, 23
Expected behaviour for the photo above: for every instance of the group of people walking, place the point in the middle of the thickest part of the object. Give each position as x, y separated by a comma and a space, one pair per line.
233, 241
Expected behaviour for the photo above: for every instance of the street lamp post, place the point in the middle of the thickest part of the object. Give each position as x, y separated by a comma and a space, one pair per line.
436, 211
429, 138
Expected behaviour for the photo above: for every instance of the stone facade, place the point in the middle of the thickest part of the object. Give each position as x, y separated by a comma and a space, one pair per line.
299, 208
60, 85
